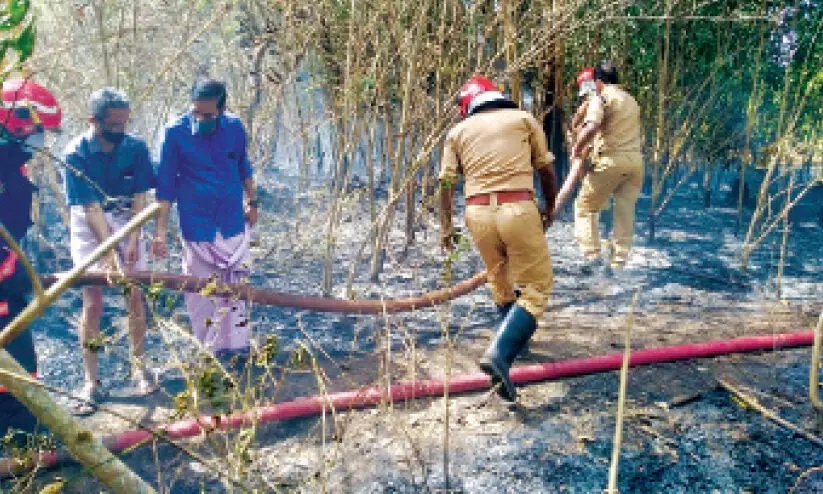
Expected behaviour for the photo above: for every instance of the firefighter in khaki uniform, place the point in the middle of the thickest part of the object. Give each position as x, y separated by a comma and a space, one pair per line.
613, 121
497, 147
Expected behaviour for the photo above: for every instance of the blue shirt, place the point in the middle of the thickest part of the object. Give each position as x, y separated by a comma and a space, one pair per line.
205, 175
125, 171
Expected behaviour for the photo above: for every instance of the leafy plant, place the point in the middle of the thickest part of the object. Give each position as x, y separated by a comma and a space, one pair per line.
17, 35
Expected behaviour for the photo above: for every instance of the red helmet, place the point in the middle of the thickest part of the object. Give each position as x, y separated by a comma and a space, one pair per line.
28, 107
585, 79
473, 87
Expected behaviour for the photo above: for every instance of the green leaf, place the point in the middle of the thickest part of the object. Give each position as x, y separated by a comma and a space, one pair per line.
25, 42
12, 13
155, 288
209, 289
367, 82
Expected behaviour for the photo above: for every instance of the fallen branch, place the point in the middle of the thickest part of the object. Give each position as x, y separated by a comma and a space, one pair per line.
754, 404
682, 400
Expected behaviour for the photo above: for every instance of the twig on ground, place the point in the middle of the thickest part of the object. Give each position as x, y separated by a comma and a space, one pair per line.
754, 404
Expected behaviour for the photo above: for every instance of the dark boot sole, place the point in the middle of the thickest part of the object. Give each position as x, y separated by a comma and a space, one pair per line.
500, 380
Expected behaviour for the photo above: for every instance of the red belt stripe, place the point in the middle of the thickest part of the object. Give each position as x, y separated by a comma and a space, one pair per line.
7, 268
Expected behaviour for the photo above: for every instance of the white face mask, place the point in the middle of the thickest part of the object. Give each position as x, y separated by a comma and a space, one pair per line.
35, 142
587, 87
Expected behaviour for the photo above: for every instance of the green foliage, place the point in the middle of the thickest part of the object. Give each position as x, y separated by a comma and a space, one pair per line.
154, 291
713, 46
462, 245
17, 34
98, 343
19, 444
265, 357
301, 357
12, 13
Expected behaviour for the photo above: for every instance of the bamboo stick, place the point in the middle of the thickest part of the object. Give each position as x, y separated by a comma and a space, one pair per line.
814, 376
621, 401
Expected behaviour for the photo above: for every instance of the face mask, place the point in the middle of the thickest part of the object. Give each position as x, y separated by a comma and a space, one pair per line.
35, 142
205, 126
587, 87
113, 137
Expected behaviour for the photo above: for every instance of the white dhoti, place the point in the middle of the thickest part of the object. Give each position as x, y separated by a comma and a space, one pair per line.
84, 241
220, 323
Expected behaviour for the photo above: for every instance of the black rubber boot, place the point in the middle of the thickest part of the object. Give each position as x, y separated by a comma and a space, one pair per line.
503, 310
514, 332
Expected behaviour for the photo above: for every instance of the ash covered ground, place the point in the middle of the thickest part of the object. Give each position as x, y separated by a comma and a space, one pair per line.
559, 437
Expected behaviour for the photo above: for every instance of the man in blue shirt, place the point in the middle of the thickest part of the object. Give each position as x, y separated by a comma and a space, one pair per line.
107, 176
204, 166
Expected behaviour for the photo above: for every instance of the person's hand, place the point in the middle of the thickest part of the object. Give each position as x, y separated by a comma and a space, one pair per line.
447, 238
132, 251
112, 267
251, 214
111, 262
158, 245
547, 218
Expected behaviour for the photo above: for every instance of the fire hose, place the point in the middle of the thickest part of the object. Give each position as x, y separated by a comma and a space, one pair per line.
409, 390
262, 296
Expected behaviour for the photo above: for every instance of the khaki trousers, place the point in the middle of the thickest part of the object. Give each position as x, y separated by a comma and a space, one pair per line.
619, 175
512, 244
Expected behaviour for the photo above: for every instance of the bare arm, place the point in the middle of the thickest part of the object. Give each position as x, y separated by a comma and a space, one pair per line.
158, 243
576, 174
250, 189
584, 138
97, 221
162, 218
548, 182
251, 210
579, 115
138, 203
100, 227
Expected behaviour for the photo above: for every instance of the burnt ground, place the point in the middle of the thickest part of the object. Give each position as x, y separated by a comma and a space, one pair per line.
558, 438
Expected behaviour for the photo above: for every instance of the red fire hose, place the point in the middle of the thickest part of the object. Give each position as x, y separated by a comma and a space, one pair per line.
371, 395
268, 297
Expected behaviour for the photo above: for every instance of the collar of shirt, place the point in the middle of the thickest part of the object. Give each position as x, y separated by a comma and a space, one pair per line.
92, 142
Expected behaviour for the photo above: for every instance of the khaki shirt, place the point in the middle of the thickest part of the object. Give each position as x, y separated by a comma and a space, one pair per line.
495, 150
618, 114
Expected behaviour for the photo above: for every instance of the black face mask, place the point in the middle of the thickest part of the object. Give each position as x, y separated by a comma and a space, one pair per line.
113, 137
